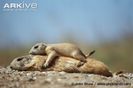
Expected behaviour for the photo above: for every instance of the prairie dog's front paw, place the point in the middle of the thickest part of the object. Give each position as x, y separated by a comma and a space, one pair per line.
80, 64
45, 65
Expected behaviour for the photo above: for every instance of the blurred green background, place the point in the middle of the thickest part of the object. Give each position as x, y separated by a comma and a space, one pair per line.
102, 25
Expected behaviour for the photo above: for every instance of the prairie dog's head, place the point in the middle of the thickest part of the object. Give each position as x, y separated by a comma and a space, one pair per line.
38, 49
20, 62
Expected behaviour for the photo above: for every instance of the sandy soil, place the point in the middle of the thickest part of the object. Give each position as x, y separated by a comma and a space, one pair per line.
35, 79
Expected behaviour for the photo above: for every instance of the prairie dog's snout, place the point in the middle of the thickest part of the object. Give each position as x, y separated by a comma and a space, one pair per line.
38, 49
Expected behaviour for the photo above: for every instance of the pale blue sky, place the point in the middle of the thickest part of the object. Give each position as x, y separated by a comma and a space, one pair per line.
54, 20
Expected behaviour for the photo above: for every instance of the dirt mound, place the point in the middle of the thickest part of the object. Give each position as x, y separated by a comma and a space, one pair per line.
35, 79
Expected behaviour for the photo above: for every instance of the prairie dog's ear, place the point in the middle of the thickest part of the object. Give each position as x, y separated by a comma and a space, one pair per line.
43, 45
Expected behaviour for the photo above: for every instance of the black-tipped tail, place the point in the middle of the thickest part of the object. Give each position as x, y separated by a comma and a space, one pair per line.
91, 53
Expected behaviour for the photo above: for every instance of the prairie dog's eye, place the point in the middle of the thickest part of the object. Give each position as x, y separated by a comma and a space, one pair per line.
36, 47
19, 59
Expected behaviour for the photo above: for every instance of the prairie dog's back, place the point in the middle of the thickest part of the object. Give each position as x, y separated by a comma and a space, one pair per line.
67, 49
95, 66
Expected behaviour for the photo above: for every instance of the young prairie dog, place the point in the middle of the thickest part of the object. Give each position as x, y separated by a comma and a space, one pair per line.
60, 49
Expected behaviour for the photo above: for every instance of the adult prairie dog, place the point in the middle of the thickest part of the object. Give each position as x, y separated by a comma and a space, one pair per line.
61, 63
60, 49
28, 62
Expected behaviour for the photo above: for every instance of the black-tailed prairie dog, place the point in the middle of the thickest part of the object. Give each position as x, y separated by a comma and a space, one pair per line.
60, 49
61, 63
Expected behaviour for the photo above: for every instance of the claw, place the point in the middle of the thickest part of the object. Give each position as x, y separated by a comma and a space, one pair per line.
46, 65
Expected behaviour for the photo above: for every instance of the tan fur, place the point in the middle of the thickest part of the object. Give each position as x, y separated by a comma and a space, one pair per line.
67, 64
95, 66
61, 49
36, 62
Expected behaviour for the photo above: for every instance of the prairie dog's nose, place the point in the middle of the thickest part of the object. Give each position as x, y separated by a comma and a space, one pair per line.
30, 52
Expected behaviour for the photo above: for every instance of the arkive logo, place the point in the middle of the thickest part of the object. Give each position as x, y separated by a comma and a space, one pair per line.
20, 5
